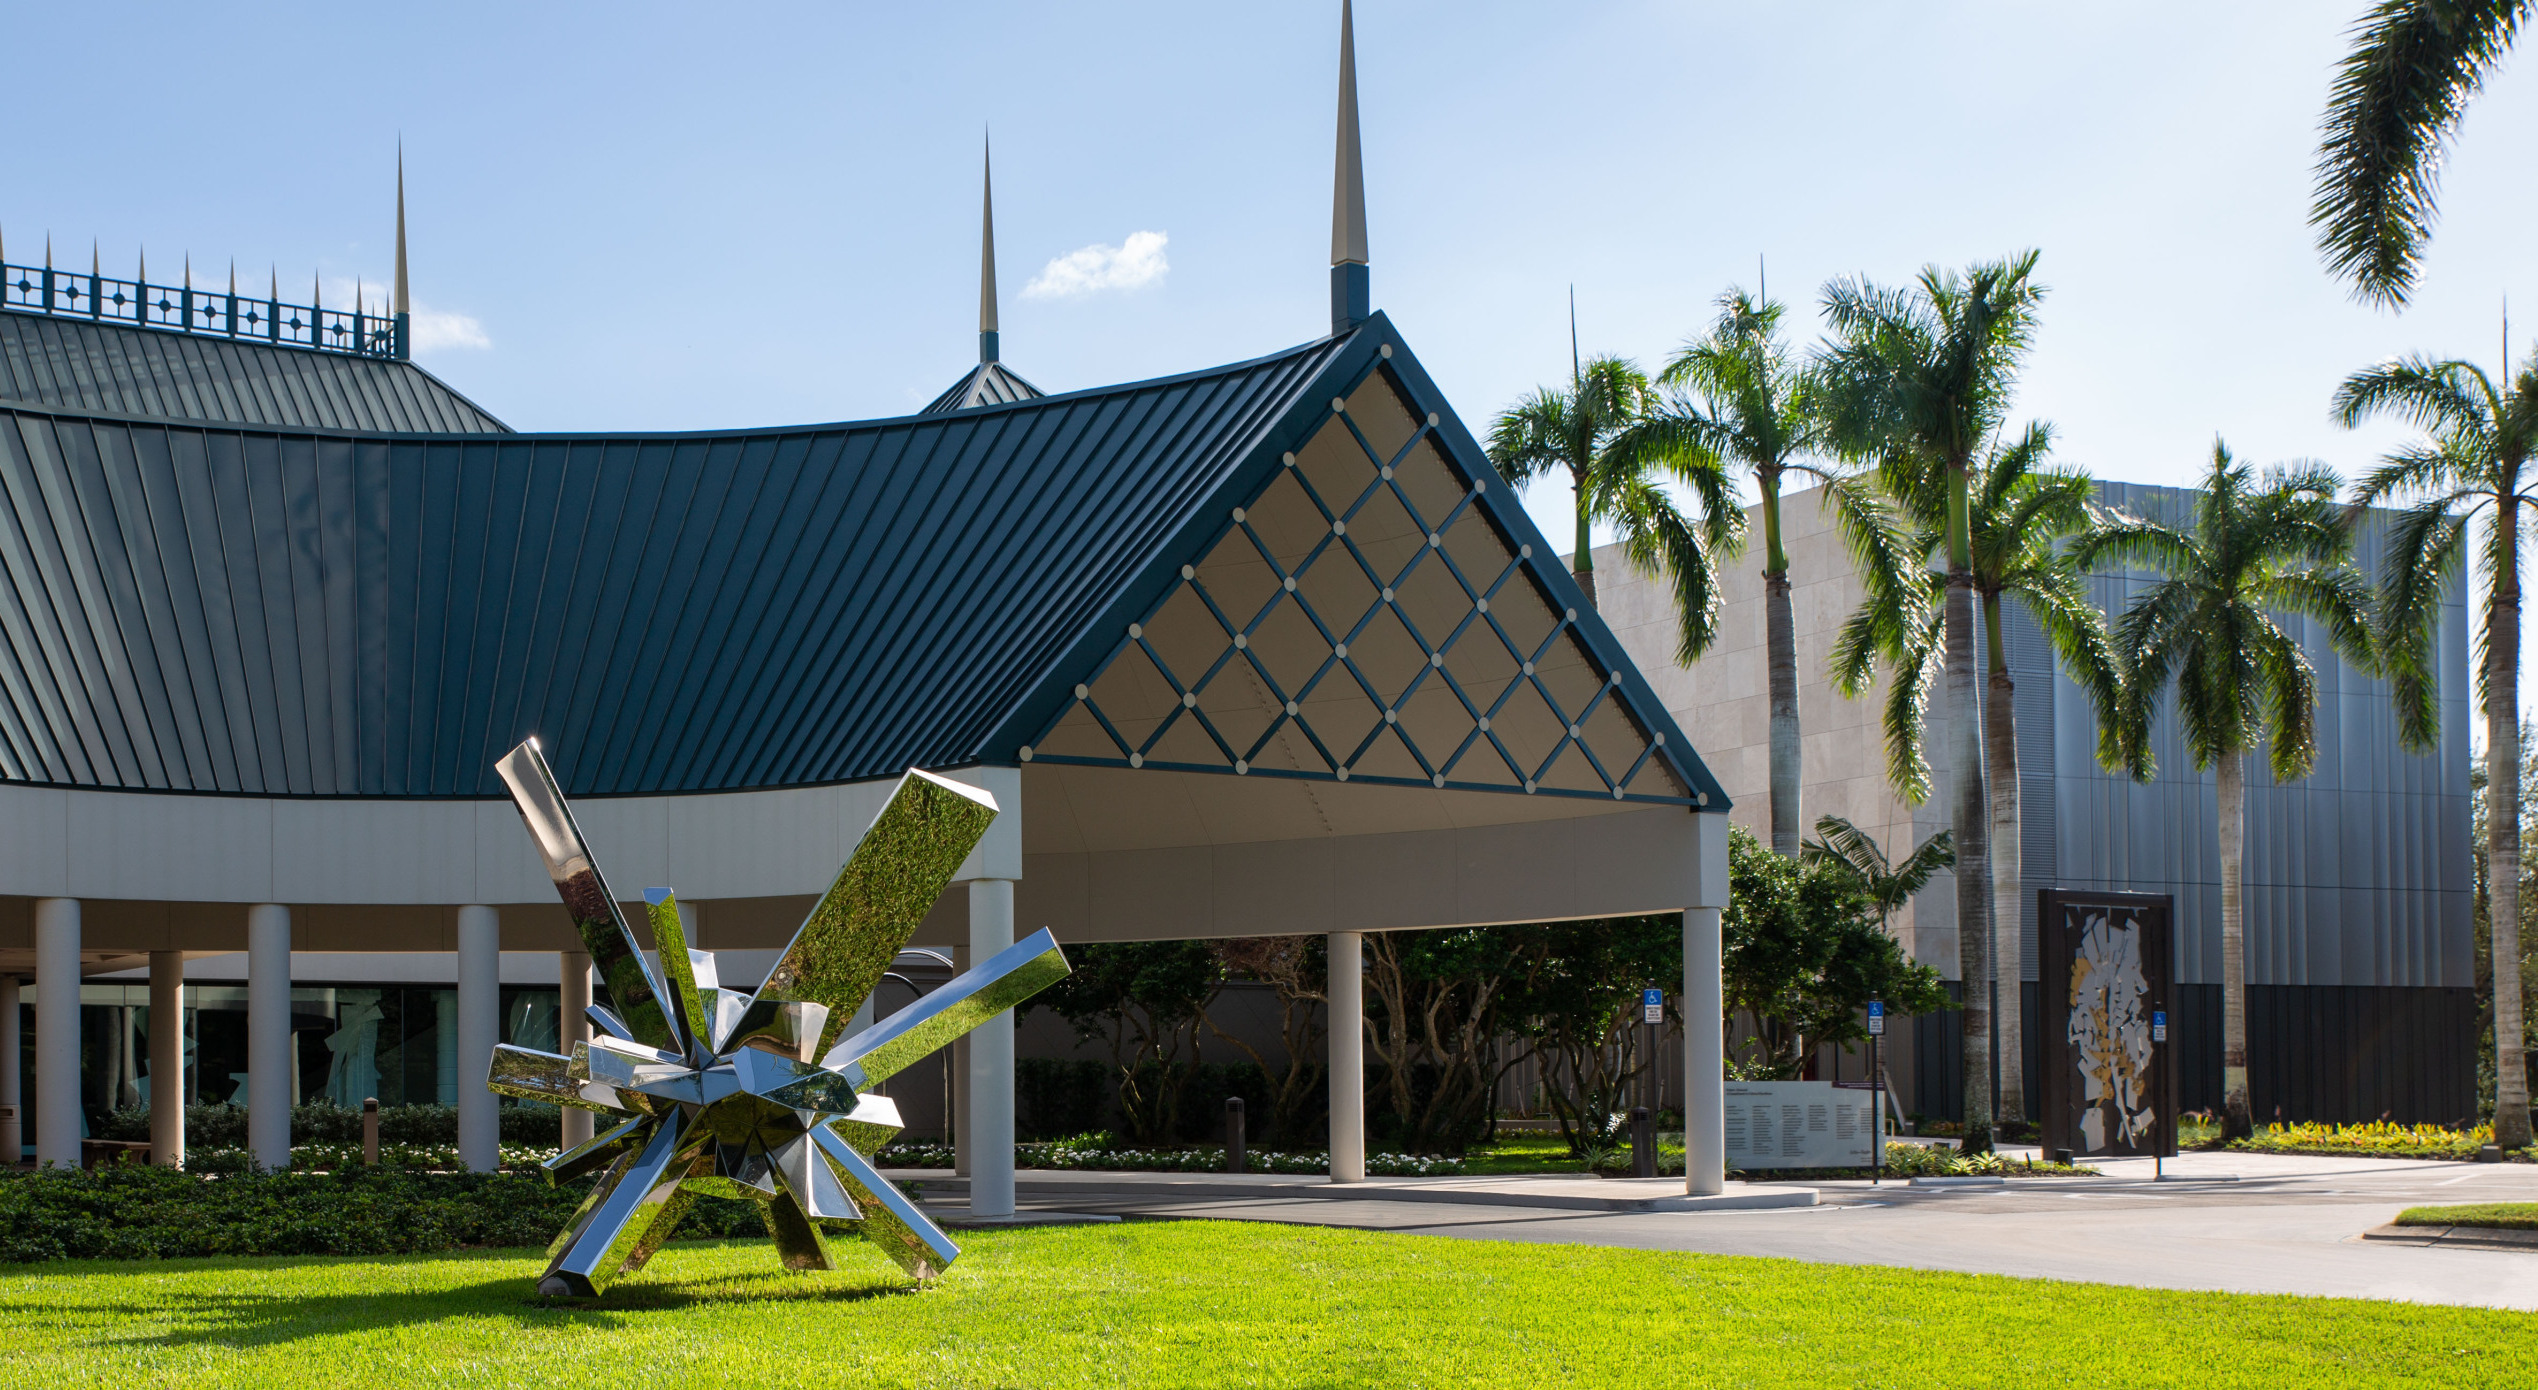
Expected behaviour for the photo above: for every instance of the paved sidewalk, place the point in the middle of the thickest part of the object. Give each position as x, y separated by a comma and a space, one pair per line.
2285, 1225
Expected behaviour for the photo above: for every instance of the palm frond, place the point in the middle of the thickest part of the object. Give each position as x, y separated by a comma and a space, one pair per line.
2395, 104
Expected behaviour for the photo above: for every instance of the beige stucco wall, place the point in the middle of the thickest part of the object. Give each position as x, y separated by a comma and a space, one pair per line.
1723, 700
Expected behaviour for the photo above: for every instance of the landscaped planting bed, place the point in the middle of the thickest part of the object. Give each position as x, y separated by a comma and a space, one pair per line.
1072, 1154
1208, 1304
2376, 1139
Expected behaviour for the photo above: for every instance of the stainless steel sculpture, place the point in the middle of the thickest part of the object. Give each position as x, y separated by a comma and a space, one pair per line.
718, 1092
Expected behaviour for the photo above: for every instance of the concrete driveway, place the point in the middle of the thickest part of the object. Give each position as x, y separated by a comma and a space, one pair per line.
2285, 1225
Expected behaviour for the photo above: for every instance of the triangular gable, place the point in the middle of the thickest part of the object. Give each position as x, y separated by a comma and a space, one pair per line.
1365, 600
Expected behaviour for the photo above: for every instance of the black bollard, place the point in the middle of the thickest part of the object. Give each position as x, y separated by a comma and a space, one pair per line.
1233, 1134
1643, 1143
370, 1132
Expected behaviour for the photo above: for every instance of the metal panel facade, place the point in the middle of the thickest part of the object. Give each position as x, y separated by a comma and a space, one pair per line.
2359, 874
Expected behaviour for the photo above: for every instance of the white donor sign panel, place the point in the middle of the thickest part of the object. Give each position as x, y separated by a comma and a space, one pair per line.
1800, 1124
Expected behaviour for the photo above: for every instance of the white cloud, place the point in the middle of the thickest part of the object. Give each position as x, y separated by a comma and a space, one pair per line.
433, 329
439, 328
1132, 264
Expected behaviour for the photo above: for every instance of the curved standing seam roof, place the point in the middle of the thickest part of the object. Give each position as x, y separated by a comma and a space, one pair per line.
118, 369
247, 610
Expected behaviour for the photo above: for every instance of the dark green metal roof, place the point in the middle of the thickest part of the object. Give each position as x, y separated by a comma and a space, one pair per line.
72, 364
288, 612
988, 383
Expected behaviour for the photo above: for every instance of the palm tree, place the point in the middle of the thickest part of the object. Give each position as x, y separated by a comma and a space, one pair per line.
1919, 379
1751, 407
2260, 550
2397, 101
1888, 884
1619, 476
2019, 510
2477, 460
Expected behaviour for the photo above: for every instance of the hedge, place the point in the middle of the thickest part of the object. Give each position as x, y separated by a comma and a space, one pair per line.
129, 1211
225, 1126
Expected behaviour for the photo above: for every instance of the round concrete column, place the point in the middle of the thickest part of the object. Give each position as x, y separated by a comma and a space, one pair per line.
1347, 1013
269, 1098
57, 1110
572, 1025
1704, 1055
167, 1058
988, 1132
479, 1028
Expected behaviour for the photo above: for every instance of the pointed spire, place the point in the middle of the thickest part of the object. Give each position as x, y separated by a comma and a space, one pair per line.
48, 250
987, 337
189, 270
402, 304
233, 277
356, 296
93, 271
316, 292
1350, 297
142, 275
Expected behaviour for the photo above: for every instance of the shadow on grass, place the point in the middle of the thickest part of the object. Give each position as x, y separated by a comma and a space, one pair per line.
231, 1317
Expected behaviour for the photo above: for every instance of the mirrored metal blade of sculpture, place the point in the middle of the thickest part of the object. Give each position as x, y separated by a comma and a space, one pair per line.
716, 1093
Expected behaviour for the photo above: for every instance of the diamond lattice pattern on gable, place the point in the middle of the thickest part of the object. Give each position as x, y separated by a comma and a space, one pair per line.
1362, 618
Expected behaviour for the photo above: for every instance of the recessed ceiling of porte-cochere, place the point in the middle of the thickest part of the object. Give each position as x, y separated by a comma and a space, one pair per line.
1363, 618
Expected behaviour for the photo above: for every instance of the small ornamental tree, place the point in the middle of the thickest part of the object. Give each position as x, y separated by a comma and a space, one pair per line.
1145, 999
1574, 994
1806, 951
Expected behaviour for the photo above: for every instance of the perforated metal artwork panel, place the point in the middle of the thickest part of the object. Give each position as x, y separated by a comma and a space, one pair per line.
1363, 618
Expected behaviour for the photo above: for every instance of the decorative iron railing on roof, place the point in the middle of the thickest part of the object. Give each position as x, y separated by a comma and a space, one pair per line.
356, 332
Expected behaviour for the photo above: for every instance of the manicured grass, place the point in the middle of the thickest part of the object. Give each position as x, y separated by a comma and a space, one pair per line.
1206, 1304
1527, 1151
2519, 1216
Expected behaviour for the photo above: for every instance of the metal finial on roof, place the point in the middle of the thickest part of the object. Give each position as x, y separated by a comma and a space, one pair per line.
233, 277
356, 296
93, 270
189, 270
142, 275
316, 293
987, 337
1349, 293
402, 304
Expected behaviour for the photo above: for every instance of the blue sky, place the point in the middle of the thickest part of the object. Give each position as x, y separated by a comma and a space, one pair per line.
637, 216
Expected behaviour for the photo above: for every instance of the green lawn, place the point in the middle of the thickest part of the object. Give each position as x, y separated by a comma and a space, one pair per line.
1206, 1304
2521, 1216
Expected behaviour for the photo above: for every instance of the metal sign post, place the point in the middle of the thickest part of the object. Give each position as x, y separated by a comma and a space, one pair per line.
1652, 1016
1876, 1092
2167, 1100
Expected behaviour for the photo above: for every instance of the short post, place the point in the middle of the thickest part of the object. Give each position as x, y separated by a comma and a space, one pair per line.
2162, 1146
1233, 1134
370, 1132
1643, 1142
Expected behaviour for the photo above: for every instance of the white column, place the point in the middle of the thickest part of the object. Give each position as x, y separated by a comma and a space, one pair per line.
1347, 1011
989, 1132
269, 1097
12, 1103
572, 1025
167, 1058
479, 1028
57, 1031
1704, 1056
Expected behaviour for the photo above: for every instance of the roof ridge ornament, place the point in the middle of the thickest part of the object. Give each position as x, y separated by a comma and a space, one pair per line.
402, 307
1351, 298
988, 346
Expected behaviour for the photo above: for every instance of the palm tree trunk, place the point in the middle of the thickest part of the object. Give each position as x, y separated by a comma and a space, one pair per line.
1973, 867
1780, 647
2502, 834
2000, 773
2230, 786
1582, 559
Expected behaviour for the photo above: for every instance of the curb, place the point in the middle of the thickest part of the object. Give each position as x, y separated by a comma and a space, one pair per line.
2462, 1237
1759, 1197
